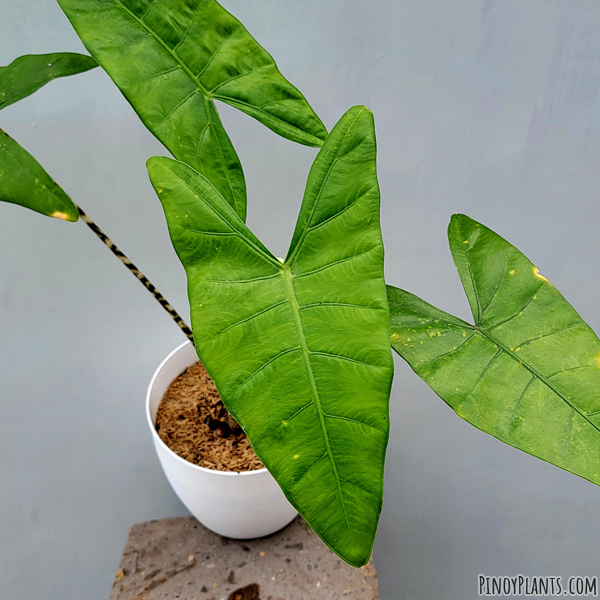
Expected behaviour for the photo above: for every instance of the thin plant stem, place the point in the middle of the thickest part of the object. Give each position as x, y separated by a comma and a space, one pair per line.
233, 424
144, 280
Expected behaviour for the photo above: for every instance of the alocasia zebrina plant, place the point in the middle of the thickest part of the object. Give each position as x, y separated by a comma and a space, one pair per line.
347, 384
300, 348
313, 402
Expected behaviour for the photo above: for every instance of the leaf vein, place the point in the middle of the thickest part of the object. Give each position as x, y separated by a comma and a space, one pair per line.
247, 241
214, 54
250, 318
519, 401
333, 264
342, 304
498, 286
456, 349
187, 30
266, 364
514, 316
229, 281
342, 357
341, 212
294, 415
541, 337
483, 372
179, 105
538, 375
310, 468
359, 487
354, 421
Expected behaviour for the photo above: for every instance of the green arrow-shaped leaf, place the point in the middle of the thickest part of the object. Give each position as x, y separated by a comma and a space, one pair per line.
527, 372
299, 350
23, 181
172, 59
27, 74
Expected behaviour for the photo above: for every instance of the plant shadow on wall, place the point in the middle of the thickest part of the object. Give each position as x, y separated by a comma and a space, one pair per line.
300, 349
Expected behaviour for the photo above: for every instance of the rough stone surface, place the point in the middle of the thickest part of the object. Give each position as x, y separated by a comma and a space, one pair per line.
180, 559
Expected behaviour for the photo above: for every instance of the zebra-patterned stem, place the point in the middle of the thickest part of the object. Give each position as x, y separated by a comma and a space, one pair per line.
148, 285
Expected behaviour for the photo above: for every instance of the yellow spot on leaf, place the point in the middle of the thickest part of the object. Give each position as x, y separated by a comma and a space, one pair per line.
511, 272
60, 215
536, 272
296, 456
409, 339
395, 337
466, 242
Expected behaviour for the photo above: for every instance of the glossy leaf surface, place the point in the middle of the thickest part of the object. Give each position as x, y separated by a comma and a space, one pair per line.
172, 59
27, 74
23, 181
528, 372
299, 350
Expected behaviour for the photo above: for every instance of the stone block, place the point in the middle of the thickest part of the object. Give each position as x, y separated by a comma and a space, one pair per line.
179, 559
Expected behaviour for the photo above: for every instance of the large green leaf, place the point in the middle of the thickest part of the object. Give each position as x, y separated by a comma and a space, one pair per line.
27, 74
23, 181
172, 59
527, 372
299, 350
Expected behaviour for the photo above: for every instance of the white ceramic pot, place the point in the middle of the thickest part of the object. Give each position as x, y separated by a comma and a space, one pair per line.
235, 505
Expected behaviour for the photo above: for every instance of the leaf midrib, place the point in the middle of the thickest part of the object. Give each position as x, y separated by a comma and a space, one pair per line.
241, 211
208, 95
535, 373
234, 230
293, 301
172, 54
510, 352
312, 139
307, 225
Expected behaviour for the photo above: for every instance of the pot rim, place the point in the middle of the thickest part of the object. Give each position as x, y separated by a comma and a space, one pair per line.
157, 438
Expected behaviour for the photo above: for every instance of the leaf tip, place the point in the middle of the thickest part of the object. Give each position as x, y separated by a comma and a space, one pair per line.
72, 217
155, 164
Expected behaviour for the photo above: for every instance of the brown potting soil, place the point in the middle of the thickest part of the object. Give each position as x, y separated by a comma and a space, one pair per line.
192, 421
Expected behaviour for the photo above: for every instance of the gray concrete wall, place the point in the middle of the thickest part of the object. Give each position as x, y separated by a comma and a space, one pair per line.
484, 107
